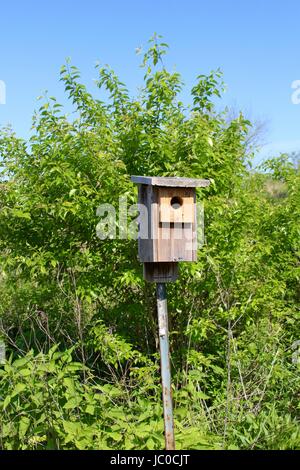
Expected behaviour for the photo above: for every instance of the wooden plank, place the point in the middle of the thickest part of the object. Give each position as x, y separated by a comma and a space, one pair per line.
167, 241
170, 181
176, 242
160, 272
194, 232
145, 245
155, 222
176, 205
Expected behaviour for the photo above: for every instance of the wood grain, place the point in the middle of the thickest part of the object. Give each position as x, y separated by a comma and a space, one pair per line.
171, 181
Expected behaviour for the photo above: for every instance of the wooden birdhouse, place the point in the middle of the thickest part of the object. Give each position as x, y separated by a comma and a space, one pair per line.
167, 224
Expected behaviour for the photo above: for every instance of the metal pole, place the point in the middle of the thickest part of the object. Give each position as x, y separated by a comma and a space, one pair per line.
162, 311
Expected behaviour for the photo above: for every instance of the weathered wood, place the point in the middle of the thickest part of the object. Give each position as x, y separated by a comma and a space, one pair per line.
176, 205
177, 241
160, 272
171, 181
168, 219
145, 239
169, 239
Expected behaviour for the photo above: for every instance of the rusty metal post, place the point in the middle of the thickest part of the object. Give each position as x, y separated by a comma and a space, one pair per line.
162, 311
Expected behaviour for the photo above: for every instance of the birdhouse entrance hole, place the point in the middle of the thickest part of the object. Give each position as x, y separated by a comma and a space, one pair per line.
176, 202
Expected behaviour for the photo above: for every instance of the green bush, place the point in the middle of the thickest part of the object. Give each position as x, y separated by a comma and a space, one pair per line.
64, 293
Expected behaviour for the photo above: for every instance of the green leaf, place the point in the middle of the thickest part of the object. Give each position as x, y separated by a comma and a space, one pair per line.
19, 388
24, 424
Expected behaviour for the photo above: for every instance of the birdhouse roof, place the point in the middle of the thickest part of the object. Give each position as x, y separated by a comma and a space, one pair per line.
171, 181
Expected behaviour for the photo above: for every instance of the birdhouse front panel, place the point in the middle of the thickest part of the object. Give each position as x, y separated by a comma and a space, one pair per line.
176, 233
168, 219
176, 205
170, 223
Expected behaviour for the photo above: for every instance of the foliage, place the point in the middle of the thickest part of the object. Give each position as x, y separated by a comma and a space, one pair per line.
77, 318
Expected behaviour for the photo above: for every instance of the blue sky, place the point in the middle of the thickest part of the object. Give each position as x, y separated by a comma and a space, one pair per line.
255, 43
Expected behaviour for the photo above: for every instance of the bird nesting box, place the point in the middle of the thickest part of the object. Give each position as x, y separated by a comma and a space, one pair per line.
167, 224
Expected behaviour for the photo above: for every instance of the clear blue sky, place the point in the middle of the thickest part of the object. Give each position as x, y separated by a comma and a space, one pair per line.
256, 44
